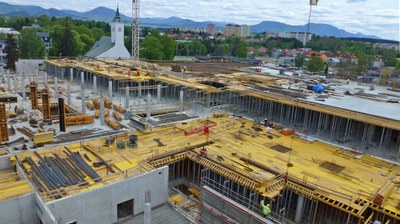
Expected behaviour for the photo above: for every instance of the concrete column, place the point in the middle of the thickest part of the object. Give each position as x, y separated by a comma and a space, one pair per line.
83, 98
15, 82
181, 101
30, 73
127, 97
147, 213
208, 101
148, 105
110, 89
82, 77
102, 122
3, 75
56, 87
8, 79
45, 80
69, 92
94, 82
71, 74
37, 75
299, 209
23, 87
140, 89
158, 93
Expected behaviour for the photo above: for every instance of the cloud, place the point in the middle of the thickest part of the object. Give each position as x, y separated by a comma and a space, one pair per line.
369, 17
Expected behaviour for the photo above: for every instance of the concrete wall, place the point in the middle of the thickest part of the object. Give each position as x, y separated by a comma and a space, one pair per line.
28, 66
18, 210
116, 52
5, 162
100, 205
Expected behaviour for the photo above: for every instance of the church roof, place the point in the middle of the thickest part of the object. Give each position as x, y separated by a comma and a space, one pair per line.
117, 17
101, 46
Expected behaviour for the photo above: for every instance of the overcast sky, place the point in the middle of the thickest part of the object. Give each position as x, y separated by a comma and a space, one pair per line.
372, 17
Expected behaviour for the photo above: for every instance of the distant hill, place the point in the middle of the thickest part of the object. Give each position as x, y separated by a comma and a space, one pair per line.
106, 14
317, 28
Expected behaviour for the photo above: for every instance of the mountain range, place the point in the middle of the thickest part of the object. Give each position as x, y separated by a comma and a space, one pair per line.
106, 14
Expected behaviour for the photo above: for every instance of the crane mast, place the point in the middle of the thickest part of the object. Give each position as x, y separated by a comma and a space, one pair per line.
312, 2
135, 30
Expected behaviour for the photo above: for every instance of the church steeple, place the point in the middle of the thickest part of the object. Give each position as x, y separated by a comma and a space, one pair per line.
117, 17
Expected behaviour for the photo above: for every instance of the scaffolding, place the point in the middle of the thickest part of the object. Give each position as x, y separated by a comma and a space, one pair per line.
3, 123
223, 199
33, 95
46, 105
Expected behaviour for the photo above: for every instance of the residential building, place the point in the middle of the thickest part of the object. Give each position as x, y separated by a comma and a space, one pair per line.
301, 36
3, 54
6, 31
232, 30
111, 47
244, 31
211, 29
48, 43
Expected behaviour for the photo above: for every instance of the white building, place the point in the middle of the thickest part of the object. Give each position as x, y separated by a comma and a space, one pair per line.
301, 36
6, 31
111, 47
236, 30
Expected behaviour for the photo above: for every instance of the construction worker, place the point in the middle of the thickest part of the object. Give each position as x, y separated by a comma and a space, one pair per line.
204, 152
266, 209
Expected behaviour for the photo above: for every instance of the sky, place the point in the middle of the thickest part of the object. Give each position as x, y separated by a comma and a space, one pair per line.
371, 17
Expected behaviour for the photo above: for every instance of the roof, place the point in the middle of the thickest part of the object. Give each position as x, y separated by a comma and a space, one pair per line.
117, 17
43, 34
101, 46
9, 31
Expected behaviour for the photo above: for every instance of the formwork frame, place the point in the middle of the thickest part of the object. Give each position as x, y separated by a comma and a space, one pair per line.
34, 95
46, 105
317, 208
3, 123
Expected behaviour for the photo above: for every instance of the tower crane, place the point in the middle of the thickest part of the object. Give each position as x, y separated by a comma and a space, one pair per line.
312, 2
135, 31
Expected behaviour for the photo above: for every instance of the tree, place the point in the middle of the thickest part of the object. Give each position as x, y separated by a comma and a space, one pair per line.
152, 48
158, 47
56, 34
364, 62
315, 64
31, 45
169, 47
241, 51
12, 51
299, 60
67, 45
389, 58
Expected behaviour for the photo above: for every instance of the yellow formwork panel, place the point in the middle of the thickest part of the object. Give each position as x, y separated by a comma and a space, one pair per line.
335, 173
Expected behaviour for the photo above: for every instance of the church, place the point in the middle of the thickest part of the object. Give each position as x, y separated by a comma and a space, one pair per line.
111, 47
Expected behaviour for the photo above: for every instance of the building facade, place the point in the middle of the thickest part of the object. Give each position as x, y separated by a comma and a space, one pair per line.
301, 36
232, 30
211, 29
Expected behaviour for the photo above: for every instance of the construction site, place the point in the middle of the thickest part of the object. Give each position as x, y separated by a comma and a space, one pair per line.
91, 141
94, 140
